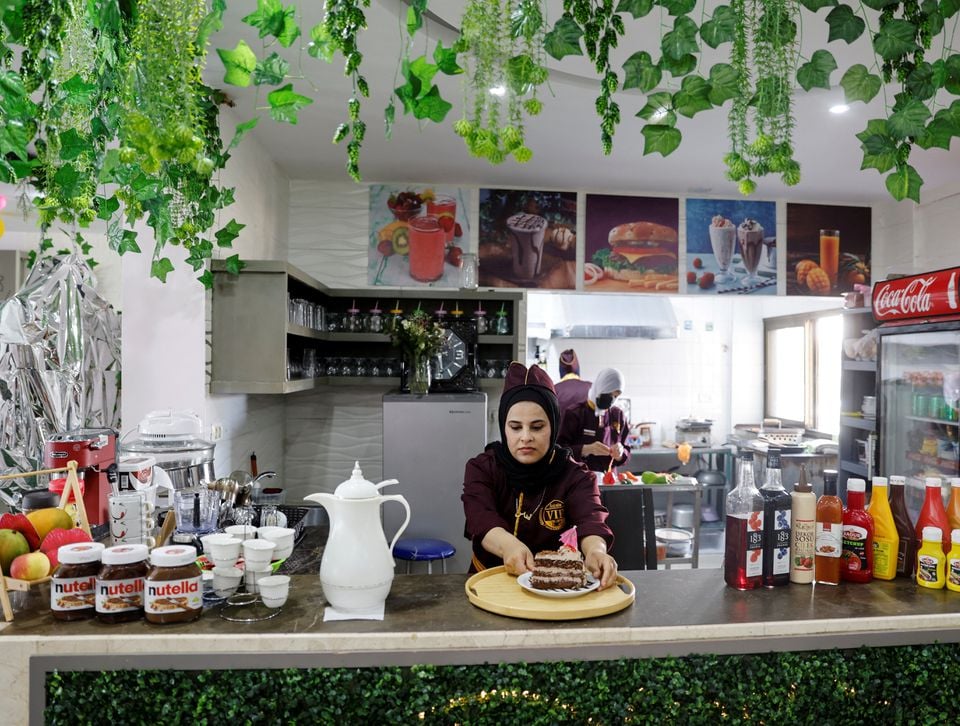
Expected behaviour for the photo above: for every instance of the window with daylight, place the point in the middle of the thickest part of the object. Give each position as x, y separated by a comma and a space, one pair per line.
802, 370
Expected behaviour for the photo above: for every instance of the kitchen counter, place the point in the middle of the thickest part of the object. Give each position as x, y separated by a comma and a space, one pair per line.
429, 620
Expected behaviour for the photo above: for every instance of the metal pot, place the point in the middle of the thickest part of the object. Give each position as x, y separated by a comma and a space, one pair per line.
710, 477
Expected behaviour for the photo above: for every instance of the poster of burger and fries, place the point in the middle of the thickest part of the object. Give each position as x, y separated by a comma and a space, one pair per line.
731, 247
631, 244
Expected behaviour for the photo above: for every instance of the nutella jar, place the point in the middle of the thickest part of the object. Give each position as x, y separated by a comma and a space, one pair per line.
173, 591
120, 583
73, 589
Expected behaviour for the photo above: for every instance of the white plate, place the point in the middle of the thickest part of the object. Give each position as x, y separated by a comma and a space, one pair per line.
592, 584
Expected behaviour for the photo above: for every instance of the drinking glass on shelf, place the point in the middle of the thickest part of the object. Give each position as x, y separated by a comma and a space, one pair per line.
504, 365
376, 365
346, 368
489, 369
333, 322
390, 367
309, 363
361, 367
333, 366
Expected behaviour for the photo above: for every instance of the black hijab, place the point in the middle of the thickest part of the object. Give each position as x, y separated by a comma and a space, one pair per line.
532, 385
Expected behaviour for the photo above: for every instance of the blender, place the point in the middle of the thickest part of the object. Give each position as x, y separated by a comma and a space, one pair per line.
197, 511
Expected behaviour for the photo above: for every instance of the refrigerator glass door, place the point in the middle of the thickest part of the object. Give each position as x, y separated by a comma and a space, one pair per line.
919, 398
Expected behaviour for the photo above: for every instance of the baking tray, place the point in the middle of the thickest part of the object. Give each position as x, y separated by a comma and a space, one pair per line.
497, 592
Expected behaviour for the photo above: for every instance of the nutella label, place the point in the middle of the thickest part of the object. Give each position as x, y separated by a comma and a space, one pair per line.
117, 596
173, 596
75, 593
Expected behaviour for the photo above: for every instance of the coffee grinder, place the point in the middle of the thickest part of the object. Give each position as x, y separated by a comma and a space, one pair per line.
95, 451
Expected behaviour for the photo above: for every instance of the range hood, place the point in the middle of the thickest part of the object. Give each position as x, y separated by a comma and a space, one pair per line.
602, 316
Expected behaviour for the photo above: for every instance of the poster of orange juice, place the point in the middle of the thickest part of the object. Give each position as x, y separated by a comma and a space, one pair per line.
827, 250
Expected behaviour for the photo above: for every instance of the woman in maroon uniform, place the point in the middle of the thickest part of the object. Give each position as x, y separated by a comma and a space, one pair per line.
522, 492
595, 430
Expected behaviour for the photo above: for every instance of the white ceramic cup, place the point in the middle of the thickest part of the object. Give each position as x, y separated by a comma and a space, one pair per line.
225, 550
281, 536
258, 552
274, 590
241, 531
252, 577
226, 580
207, 541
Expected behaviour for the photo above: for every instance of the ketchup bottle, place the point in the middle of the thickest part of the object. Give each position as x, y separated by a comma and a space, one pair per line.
857, 559
933, 514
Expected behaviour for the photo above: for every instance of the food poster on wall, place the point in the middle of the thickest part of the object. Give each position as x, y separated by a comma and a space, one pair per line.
828, 248
631, 244
731, 247
417, 235
528, 239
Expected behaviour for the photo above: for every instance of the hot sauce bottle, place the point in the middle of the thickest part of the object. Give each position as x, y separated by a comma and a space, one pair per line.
907, 548
932, 513
829, 529
857, 559
743, 552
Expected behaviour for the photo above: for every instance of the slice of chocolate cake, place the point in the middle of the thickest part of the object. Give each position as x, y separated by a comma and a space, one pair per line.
558, 570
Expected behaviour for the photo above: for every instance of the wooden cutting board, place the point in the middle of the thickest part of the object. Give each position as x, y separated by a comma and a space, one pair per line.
496, 591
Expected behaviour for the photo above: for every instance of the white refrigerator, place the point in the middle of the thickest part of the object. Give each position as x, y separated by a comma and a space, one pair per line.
427, 441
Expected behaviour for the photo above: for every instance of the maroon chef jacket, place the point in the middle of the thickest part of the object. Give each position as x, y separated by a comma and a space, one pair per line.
580, 426
489, 501
571, 390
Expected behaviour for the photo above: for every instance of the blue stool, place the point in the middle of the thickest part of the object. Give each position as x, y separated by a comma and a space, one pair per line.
412, 549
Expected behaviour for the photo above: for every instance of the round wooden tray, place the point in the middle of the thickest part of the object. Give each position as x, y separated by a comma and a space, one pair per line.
496, 591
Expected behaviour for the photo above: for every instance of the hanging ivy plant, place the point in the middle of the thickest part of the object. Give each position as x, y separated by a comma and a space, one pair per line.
502, 43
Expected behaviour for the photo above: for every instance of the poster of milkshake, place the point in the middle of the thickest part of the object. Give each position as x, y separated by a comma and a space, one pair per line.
528, 239
731, 247
631, 244
828, 249
417, 235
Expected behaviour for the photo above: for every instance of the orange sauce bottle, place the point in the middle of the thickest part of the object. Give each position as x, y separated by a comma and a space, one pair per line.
953, 506
829, 529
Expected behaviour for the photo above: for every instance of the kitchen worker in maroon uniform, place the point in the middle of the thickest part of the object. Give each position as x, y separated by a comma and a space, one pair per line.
596, 431
523, 491
571, 389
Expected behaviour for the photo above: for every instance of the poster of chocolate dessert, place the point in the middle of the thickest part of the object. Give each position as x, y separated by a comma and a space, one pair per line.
528, 239
631, 244
828, 249
731, 247
418, 234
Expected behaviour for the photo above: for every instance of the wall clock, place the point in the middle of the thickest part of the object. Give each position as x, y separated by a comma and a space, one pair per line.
454, 368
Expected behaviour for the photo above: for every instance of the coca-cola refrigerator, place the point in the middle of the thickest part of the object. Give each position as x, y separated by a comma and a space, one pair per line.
918, 381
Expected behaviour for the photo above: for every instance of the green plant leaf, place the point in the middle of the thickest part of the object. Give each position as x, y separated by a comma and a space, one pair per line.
424, 71
12, 85
234, 264
14, 137
242, 130
107, 207
526, 20
859, 84
682, 40
721, 28
520, 73
949, 8
73, 145
952, 70
415, 16
637, 8
240, 63
228, 233
161, 268
660, 139
657, 104
909, 119
446, 59
724, 83
679, 67
896, 38
844, 24
904, 183
271, 70
211, 23
206, 279
78, 92
284, 104
271, 18
639, 71
879, 152
815, 5
879, 4
693, 97
432, 106
678, 7
815, 73
564, 39
69, 180
939, 133
128, 243
321, 45
920, 82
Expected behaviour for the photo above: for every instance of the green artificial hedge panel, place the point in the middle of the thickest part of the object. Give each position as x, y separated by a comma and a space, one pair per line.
908, 684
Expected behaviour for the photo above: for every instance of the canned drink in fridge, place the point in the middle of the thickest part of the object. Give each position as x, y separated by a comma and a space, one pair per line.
935, 409
920, 404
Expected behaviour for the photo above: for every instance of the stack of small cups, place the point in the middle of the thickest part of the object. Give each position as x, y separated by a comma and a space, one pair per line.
259, 548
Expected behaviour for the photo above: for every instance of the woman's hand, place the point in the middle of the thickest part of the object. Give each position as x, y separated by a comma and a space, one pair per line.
617, 451
598, 562
517, 558
596, 448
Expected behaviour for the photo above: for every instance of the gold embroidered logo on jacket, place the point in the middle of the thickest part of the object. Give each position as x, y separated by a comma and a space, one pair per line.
552, 516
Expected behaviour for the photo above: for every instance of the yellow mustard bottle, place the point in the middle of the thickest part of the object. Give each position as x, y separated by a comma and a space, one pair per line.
931, 562
886, 541
953, 562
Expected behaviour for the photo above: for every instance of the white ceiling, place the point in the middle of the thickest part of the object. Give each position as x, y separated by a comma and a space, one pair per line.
565, 137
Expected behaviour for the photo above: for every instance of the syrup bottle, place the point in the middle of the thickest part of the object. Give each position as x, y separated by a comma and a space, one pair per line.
857, 565
743, 553
829, 542
776, 524
932, 513
907, 548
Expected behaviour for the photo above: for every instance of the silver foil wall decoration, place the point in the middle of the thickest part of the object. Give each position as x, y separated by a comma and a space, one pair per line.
59, 364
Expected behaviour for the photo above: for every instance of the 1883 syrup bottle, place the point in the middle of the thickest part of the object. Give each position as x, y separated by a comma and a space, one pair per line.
776, 524
743, 554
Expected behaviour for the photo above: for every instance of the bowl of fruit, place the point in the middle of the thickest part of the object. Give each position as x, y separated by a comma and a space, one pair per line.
405, 205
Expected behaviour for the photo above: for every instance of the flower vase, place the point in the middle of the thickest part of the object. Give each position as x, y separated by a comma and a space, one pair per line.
419, 380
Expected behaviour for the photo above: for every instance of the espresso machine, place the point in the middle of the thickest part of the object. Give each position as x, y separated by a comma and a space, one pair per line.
95, 451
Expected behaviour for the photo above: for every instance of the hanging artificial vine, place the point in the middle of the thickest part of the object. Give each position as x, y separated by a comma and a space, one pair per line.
343, 20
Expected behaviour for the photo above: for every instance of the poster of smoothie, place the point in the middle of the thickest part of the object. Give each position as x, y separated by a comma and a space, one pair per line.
828, 249
731, 247
417, 235
528, 239
631, 244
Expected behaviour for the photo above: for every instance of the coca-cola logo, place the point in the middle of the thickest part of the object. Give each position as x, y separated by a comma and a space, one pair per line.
912, 299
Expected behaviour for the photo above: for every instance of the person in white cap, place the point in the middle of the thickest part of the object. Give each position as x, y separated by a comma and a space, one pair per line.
596, 431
